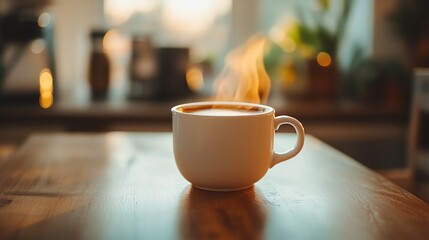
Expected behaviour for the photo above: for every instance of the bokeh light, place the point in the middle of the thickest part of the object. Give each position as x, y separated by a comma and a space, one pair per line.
195, 79
46, 85
324, 59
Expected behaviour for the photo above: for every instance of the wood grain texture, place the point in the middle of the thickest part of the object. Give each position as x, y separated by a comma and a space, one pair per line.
126, 186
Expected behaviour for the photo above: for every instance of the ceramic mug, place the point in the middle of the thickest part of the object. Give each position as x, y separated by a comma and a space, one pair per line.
228, 146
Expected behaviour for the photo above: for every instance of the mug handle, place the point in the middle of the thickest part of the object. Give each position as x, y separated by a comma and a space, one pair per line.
281, 157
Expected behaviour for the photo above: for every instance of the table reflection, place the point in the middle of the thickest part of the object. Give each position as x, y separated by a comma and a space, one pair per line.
222, 215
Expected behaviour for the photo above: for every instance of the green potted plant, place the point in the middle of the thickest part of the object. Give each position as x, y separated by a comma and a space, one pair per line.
313, 45
323, 70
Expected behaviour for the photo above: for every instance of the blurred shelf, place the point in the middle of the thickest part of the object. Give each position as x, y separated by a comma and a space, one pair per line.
373, 135
422, 161
72, 112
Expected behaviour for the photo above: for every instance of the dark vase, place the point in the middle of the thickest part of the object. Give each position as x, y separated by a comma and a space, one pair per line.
99, 67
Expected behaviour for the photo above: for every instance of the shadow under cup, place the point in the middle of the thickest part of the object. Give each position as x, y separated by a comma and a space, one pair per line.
223, 146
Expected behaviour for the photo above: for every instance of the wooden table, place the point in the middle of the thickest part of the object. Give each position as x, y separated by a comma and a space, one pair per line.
126, 186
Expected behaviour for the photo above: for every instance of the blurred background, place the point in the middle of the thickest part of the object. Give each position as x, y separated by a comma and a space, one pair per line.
354, 72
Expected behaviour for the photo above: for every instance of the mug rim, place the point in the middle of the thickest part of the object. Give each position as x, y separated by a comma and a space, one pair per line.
269, 109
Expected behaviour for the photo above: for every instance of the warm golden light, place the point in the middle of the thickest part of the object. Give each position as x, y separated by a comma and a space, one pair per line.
44, 20
119, 11
195, 79
288, 75
45, 80
276, 34
191, 17
285, 34
244, 77
115, 43
324, 59
288, 44
46, 88
108, 39
46, 101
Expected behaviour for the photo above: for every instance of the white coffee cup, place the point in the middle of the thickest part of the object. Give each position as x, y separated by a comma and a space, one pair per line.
228, 146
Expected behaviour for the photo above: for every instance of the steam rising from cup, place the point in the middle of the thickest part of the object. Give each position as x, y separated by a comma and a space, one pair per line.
244, 78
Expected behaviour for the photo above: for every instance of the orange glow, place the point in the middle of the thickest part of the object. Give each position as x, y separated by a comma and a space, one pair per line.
194, 78
46, 101
45, 80
107, 39
46, 88
244, 77
114, 42
289, 76
324, 59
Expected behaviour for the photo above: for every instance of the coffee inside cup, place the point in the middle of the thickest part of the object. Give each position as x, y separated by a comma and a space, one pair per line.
222, 110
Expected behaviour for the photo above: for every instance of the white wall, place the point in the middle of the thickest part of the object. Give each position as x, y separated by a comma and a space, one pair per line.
358, 33
245, 20
73, 21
